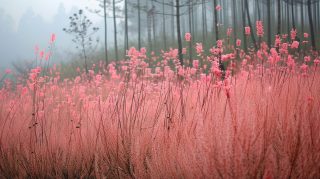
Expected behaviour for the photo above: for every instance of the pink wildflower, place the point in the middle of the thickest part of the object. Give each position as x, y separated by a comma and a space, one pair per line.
195, 63
218, 8
199, 48
53, 38
184, 51
219, 43
295, 44
260, 30
307, 59
229, 31
8, 71
187, 37
293, 34
238, 43
247, 30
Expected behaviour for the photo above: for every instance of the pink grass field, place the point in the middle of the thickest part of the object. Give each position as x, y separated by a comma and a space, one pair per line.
258, 119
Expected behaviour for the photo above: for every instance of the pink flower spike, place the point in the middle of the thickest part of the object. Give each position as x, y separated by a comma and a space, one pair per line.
293, 34
8, 71
187, 37
295, 44
218, 8
184, 51
247, 30
260, 29
41, 54
238, 43
53, 38
229, 31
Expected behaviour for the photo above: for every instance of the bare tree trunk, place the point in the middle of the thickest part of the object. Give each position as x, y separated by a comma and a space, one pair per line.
105, 31
172, 23
203, 21
234, 11
269, 22
84, 54
288, 18
190, 30
179, 32
313, 42
153, 27
139, 25
302, 18
249, 23
149, 26
279, 17
258, 8
292, 16
215, 24
164, 26
244, 25
126, 40
115, 30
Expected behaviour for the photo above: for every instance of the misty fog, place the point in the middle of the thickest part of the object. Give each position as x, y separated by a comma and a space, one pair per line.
18, 39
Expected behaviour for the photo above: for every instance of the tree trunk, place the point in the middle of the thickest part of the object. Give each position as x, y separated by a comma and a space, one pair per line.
164, 27
313, 42
84, 54
153, 27
292, 15
179, 32
126, 40
244, 25
249, 23
149, 26
190, 30
139, 25
234, 12
215, 24
302, 19
172, 23
288, 19
115, 30
105, 31
269, 22
204, 22
258, 8
279, 17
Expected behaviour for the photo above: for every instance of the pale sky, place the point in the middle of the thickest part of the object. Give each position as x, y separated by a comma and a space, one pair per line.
45, 8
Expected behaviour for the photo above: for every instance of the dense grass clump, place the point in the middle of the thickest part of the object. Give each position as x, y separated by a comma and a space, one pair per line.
151, 117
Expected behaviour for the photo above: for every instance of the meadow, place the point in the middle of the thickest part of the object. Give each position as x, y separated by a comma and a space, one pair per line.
148, 116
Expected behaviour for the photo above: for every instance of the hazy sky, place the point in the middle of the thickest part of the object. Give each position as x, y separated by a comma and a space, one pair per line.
45, 8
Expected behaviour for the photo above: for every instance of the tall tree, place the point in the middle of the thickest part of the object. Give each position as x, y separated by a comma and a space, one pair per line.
139, 24
244, 25
179, 32
216, 25
234, 22
114, 9
313, 42
249, 23
126, 31
279, 16
269, 22
164, 25
292, 15
82, 30
190, 30
105, 31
